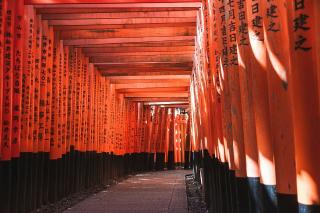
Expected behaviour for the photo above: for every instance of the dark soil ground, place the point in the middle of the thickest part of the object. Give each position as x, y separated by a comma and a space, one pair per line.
195, 196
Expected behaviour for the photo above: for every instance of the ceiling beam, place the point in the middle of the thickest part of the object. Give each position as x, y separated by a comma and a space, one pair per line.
158, 99
157, 95
148, 73
66, 10
113, 4
127, 33
138, 44
120, 15
153, 53
151, 77
120, 21
159, 65
126, 40
153, 85
121, 26
137, 50
134, 59
153, 90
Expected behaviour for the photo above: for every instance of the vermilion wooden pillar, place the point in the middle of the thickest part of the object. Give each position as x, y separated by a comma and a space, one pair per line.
249, 134
7, 105
277, 45
305, 101
258, 65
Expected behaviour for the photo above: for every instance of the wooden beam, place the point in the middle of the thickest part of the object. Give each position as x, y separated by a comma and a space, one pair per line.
153, 85
126, 40
113, 4
131, 50
151, 77
138, 44
150, 58
148, 73
148, 79
120, 21
147, 54
158, 99
121, 15
157, 95
158, 65
127, 33
166, 102
154, 90
121, 26
72, 10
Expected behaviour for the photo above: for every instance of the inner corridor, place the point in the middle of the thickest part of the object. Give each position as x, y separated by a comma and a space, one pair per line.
163, 191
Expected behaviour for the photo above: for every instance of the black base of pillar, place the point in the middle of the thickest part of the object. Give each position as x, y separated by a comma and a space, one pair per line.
171, 163
187, 160
269, 195
255, 195
287, 203
5, 186
243, 196
159, 161
151, 161
309, 208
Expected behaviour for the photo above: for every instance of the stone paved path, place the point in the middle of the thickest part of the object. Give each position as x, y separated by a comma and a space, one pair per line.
148, 192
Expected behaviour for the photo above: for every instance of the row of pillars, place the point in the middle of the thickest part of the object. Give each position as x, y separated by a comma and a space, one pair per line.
255, 104
64, 128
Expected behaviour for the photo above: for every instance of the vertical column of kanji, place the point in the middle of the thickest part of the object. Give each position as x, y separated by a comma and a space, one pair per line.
43, 30
36, 105
215, 49
85, 105
207, 33
236, 111
94, 123
7, 92
70, 117
72, 113
64, 142
249, 133
166, 136
76, 102
305, 102
277, 45
83, 123
19, 32
83, 120
89, 123
25, 108
54, 140
2, 23
49, 34
102, 138
258, 65
60, 118
225, 90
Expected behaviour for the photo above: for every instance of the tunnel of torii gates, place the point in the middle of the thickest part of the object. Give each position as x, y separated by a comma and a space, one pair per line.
94, 90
